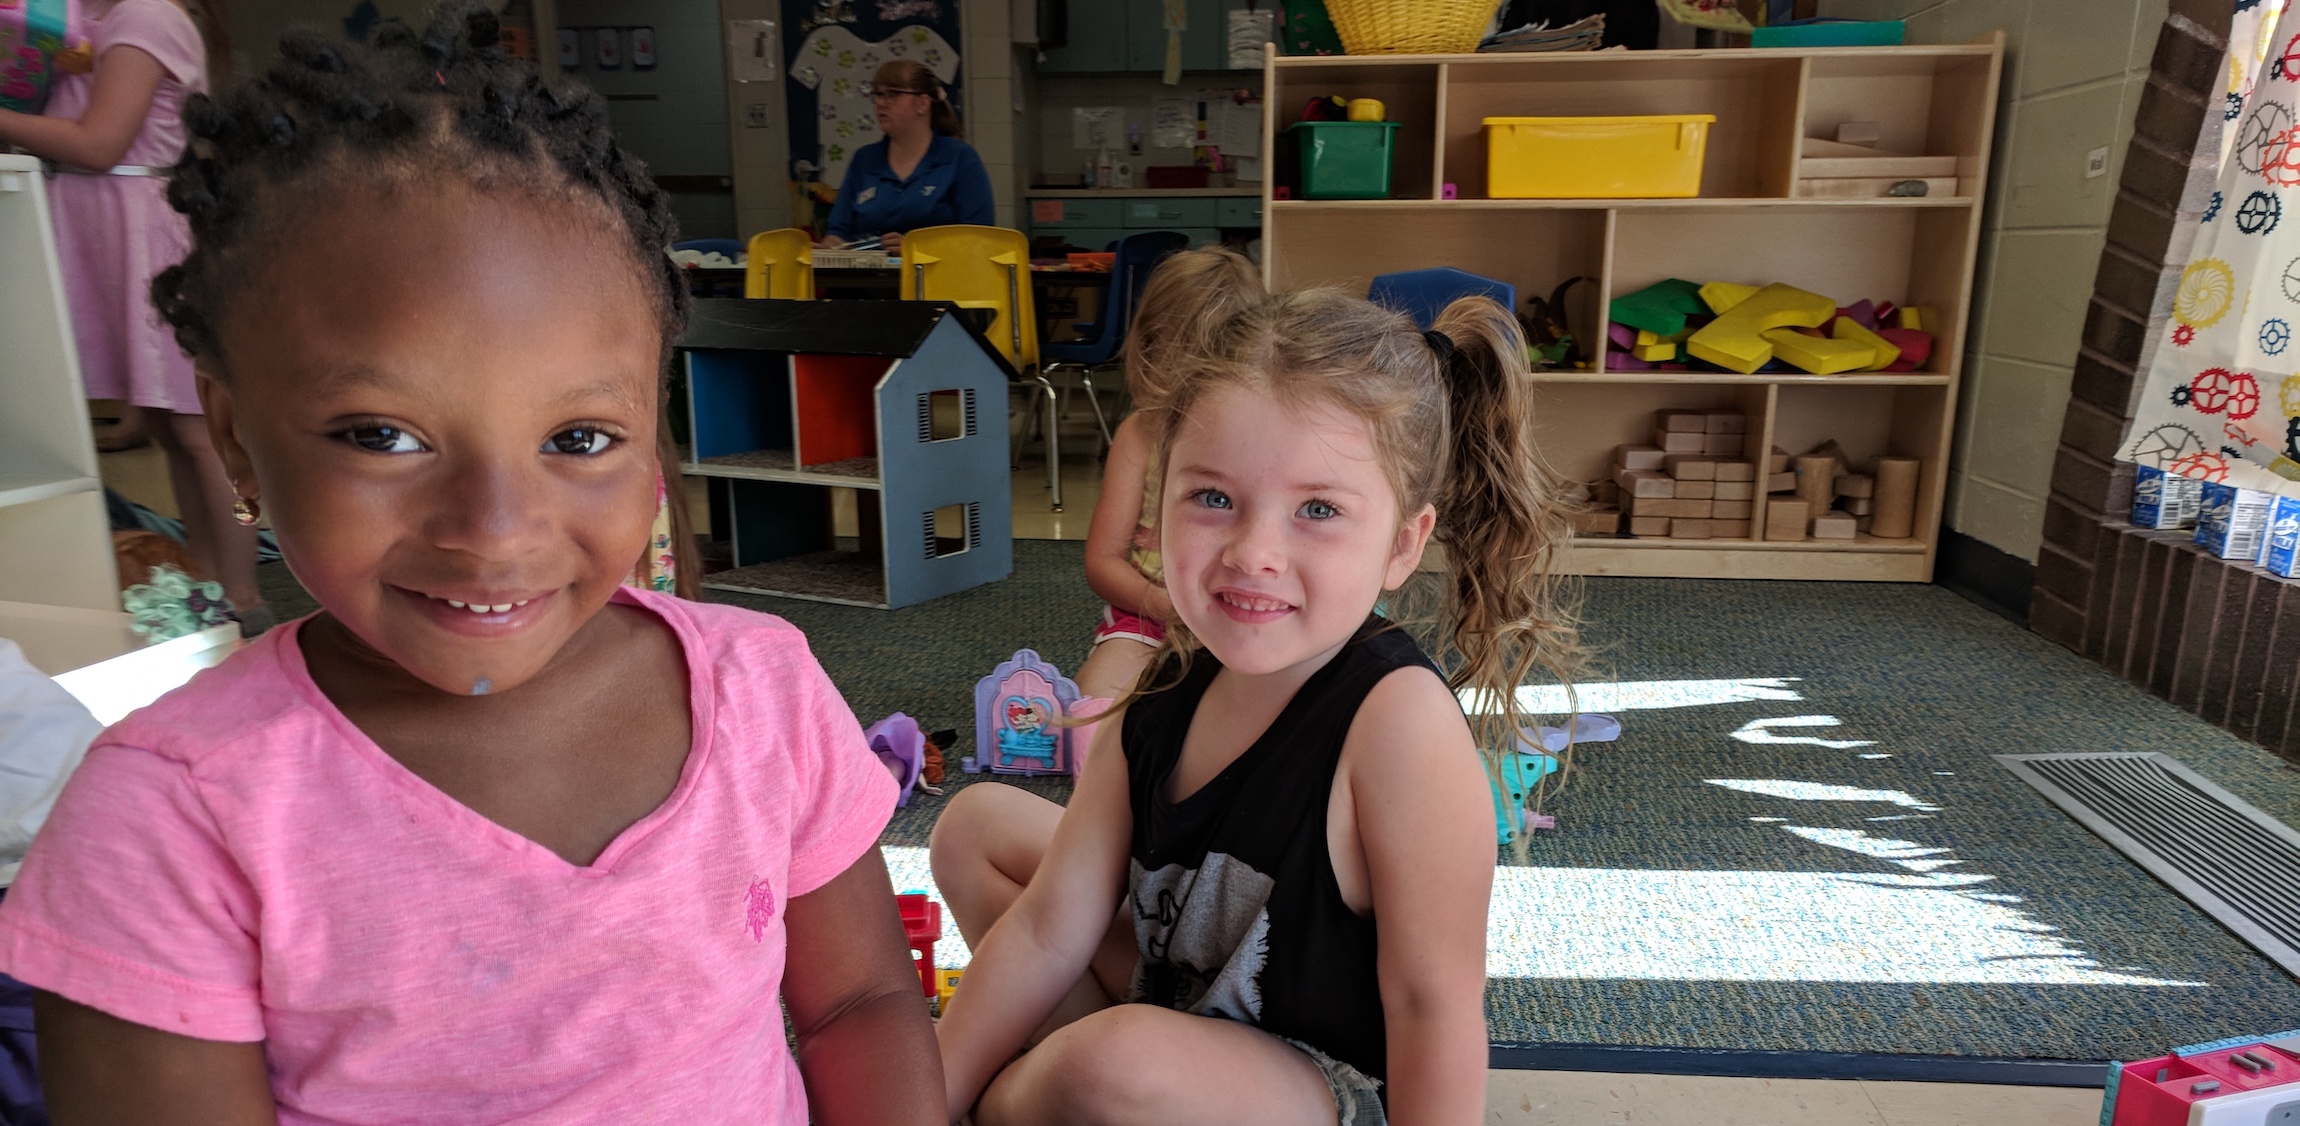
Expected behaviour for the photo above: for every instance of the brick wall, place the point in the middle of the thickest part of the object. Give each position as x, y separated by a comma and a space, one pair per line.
2151, 606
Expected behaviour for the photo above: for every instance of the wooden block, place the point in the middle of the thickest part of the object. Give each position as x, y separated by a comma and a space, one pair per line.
1638, 457
1689, 529
1856, 485
1690, 467
1833, 526
1736, 490
1697, 490
1731, 509
1862, 524
1860, 506
1736, 471
1649, 525
1817, 480
1785, 520
1728, 445
1725, 422
1728, 529
1669, 506
1644, 483
1596, 521
1681, 422
1679, 442
1606, 493
1782, 482
1897, 497
1777, 461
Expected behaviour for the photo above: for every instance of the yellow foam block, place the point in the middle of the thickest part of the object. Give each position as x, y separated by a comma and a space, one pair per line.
1818, 354
1720, 296
1657, 353
1916, 317
1736, 340
1846, 328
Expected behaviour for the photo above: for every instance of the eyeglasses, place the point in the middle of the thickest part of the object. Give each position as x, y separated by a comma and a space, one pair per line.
890, 94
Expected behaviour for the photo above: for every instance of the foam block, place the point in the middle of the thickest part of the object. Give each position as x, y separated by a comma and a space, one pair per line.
1916, 346
1638, 457
1736, 339
1818, 355
1736, 471
1863, 312
1886, 352
1736, 490
1785, 519
1833, 526
1660, 308
1697, 490
1642, 483
1687, 467
1722, 296
1915, 316
1649, 525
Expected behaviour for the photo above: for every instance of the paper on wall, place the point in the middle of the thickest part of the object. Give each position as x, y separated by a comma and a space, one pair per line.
1097, 127
1172, 124
1240, 131
752, 50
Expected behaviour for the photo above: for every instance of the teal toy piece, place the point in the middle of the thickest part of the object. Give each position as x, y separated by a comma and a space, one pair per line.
1519, 773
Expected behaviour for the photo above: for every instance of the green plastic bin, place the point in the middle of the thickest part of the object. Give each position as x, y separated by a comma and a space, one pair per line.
1345, 159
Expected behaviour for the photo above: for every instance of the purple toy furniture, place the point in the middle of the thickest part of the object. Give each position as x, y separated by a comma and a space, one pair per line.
1014, 710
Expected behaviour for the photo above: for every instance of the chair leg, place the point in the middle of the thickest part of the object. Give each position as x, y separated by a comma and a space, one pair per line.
1086, 379
1053, 439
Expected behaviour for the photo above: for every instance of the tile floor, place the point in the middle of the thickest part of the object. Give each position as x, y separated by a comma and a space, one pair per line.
1550, 1098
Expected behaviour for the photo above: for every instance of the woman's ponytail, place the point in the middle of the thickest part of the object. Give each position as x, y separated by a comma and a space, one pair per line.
941, 115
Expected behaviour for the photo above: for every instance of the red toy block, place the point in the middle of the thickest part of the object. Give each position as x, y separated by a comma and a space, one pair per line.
2167, 1090
922, 925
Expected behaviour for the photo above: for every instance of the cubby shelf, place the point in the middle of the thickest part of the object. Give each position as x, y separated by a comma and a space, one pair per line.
1749, 224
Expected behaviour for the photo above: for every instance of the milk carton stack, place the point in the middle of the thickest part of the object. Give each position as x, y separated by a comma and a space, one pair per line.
2231, 521
2162, 500
2282, 554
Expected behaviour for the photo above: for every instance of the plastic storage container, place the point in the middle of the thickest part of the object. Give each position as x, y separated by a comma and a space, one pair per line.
1345, 159
1595, 157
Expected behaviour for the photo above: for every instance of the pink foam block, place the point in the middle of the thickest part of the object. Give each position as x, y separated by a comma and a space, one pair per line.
1622, 336
1916, 346
1863, 313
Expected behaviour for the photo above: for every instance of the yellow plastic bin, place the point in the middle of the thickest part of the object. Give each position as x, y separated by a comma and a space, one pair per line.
1595, 157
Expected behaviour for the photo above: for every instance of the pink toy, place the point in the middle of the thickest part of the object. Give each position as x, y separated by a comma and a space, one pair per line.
1915, 345
1863, 312
2233, 1082
1015, 709
33, 33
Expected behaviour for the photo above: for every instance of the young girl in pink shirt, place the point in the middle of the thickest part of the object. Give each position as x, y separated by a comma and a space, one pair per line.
491, 838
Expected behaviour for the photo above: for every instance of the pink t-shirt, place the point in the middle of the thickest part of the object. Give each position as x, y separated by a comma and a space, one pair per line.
238, 862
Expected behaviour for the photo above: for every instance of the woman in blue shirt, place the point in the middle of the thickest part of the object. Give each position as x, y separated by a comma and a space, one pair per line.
920, 175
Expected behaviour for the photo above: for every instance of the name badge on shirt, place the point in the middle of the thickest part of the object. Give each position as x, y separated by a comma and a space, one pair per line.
864, 196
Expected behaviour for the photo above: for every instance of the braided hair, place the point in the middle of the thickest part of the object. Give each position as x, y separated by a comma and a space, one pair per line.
405, 108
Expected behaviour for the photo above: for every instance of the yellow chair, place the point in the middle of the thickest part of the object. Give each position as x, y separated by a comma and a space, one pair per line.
782, 265
988, 268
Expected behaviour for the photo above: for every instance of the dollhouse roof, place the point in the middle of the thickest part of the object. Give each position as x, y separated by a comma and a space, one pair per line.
825, 328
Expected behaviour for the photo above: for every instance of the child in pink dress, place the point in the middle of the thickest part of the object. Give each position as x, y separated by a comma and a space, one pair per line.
112, 136
492, 838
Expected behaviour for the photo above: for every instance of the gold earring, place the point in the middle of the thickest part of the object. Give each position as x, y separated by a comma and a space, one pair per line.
246, 512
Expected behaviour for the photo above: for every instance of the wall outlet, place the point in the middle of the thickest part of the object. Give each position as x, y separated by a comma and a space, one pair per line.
2096, 163
755, 115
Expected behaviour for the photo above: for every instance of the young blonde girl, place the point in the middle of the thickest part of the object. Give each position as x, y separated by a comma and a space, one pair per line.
1122, 565
492, 838
1290, 817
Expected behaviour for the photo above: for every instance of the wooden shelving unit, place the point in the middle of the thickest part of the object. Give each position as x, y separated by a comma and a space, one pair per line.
1748, 225
55, 542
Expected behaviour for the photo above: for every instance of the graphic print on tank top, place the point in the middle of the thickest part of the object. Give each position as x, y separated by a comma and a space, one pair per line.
1205, 936
1237, 912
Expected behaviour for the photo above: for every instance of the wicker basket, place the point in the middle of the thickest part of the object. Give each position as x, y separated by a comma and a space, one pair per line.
1411, 27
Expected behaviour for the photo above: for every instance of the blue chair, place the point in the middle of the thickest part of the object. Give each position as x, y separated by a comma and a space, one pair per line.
1423, 294
1105, 336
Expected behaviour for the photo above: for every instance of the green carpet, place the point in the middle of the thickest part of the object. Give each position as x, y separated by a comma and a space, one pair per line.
1703, 890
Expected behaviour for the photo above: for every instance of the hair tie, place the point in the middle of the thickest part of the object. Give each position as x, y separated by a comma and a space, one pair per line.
1441, 344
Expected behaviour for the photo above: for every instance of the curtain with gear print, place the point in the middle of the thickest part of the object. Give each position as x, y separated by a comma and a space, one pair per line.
2222, 399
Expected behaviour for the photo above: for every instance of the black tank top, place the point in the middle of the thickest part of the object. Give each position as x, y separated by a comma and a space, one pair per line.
1236, 910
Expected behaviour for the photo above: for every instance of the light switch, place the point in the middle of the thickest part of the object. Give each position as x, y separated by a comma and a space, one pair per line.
2096, 163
